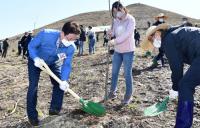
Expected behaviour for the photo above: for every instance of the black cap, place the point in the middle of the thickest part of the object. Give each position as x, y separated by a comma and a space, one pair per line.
184, 18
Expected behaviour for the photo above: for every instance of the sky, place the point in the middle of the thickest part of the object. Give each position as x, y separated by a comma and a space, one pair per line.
18, 16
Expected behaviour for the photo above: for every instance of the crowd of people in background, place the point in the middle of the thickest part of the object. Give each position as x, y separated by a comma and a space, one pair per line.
23, 44
91, 37
86, 35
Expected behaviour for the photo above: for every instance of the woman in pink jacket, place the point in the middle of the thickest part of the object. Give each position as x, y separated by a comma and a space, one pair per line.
123, 33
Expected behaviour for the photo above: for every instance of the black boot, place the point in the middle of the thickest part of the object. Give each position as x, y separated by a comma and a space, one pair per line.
184, 116
53, 112
34, 122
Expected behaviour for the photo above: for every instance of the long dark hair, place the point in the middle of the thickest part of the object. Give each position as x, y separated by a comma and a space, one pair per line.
118, 5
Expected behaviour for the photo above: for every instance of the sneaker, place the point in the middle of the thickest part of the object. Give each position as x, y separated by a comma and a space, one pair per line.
53, 112
126, 101
34, 122
112, 96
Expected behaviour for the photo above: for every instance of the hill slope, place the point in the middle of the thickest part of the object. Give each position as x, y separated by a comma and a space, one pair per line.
141, 12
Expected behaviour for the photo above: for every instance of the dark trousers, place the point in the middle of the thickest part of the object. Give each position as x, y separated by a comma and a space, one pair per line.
19, 50
24, 51
105, 43
57, 95
190, 80
137, 42
160, 56
4, 52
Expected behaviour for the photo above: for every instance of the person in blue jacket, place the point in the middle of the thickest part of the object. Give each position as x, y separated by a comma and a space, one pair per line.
56, 48
181, 46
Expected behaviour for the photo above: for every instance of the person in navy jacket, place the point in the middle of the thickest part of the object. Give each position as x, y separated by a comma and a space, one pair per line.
181, 46
56, 48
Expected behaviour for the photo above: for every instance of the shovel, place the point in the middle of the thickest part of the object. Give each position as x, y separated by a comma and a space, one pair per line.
107, 69
157, 108
87, 106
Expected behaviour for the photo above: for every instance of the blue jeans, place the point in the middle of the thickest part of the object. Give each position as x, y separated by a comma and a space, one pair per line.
91, 46
127, 59
81, 47
57, 95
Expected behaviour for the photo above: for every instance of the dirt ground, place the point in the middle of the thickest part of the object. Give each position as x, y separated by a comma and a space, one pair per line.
88, 81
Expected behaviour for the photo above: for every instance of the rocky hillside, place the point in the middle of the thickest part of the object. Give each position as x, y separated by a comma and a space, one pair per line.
141, 12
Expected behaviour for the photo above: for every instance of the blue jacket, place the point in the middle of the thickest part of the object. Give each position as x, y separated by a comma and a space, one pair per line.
181, 45
46, 45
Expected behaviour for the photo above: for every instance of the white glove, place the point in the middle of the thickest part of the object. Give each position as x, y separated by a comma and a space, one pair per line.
111, 43
173, 94
38, 62
64, 85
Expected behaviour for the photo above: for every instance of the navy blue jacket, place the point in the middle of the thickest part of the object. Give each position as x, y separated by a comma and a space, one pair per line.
181, 45
82, 35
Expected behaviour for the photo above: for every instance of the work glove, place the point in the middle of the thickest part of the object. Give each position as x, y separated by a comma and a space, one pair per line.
173, 94
64, 85
38, 62
111, 43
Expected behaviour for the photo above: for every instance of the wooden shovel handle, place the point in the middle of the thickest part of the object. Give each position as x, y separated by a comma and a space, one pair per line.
48, 71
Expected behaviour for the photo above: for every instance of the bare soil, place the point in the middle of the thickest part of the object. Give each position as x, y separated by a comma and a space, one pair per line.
88, 81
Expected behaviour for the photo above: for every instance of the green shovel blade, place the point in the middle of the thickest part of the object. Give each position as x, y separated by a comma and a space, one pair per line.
93, 108
157, 108
148, 53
